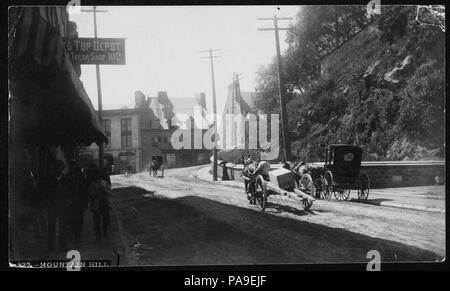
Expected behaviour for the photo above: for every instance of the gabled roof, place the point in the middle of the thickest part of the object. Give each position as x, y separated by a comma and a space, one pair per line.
178, 109
248, 101
187, 107
157, 111
163, 108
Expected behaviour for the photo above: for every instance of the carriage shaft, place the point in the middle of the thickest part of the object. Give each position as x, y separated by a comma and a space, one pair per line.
296, 195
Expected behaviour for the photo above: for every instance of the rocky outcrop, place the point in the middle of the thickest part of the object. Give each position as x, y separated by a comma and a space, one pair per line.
394, 75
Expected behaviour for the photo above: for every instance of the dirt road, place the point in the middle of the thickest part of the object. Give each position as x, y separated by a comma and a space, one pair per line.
182, 220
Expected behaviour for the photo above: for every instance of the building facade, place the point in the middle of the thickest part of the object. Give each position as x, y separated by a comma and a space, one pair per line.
142, 134
51, 115
122, 152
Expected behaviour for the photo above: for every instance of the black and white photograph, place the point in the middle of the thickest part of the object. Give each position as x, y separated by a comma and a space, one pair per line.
225, 135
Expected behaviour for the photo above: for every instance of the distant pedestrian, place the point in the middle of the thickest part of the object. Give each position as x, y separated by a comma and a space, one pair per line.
225, 176
161, 168
154, 168
99, 192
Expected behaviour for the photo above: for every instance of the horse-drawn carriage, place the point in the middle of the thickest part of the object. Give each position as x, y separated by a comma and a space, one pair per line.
341, 173
262, 182
155, 166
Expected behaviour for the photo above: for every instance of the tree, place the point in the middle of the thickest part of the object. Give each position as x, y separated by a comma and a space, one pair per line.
318, 30
387, 120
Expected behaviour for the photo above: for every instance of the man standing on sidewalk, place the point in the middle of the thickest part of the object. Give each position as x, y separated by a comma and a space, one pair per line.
99, 192
59, 204
77, 184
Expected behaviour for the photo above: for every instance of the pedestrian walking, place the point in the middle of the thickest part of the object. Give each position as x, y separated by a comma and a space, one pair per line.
99, 192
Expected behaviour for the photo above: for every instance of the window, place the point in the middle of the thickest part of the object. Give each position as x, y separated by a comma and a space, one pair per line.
125, 129
155, 141
107, 129
165, 139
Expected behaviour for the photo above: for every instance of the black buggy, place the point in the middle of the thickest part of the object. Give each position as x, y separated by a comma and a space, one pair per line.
341, 173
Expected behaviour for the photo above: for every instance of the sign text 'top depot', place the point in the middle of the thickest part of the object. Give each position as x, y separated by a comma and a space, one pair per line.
100, 51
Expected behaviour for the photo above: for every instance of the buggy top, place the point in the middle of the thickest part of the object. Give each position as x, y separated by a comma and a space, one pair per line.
344, 160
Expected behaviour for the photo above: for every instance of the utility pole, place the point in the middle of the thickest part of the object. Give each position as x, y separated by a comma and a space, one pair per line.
99, 86
237, 92
211, 57
284, 123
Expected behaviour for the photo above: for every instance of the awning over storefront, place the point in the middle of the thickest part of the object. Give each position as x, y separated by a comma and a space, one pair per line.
51, 102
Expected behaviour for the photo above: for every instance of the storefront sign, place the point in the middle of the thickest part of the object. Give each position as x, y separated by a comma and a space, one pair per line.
99, 51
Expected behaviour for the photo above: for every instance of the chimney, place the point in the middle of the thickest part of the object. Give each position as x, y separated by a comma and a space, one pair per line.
201, 98
163, 98
139, 99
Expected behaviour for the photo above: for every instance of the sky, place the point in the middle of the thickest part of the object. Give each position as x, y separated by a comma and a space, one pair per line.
163, 47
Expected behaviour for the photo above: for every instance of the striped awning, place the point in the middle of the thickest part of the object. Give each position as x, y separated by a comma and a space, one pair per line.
39, 32
38, 36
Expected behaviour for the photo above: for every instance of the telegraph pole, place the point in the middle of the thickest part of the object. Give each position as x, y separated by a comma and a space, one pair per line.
284, 123
237, 92
99, 86
211, 57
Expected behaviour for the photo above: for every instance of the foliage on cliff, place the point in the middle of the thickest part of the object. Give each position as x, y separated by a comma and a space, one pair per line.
383, 89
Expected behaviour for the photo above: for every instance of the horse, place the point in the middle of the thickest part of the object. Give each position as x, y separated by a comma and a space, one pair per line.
251, 170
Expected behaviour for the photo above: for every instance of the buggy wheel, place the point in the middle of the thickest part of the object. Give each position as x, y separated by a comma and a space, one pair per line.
342, 194
363, 186
260, 193
306, 184
328, 185
318, 188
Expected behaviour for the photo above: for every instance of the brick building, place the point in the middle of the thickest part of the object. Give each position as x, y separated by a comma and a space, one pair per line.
160, 117
122, 152
137, 136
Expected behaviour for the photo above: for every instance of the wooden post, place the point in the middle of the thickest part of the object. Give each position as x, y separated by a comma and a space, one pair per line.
211, 57
281, 93
99, 88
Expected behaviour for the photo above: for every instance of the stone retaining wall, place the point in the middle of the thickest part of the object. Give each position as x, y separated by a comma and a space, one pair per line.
381, 174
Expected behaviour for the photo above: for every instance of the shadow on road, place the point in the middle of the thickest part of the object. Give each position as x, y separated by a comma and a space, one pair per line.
370, 201
278, 208
192, 230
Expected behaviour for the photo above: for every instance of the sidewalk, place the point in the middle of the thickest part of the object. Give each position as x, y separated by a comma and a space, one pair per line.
31, 247
205, 174
425, 198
